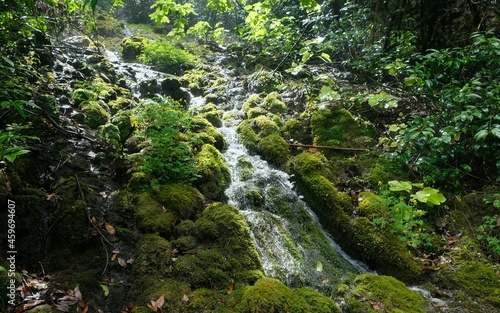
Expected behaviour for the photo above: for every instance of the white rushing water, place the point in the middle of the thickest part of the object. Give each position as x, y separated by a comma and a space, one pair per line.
279, 220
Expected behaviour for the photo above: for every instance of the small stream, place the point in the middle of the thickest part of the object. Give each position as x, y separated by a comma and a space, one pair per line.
292, 244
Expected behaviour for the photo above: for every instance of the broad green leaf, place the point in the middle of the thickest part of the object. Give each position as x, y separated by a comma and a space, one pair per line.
326, 57
495, 131
306, 56
480, 135
105, 289
396, 185
319, 266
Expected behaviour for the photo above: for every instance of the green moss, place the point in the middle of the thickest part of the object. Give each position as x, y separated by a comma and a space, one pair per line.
184, 200
109, 135
203, 300
212, 114
152, 216
480, 280
45, 308
229, 222
132, 47
184, 243
252, 102
265, 81
391, 294
379, 248
121, 103
80, 95
383, 251
207, 133
274, 104
267, 296
340, 128
293, 129
173, 292
122, 121
371, 206
255, 195
95, 114
185, 228
253, 130
153, 260
246, 167
213, 172
309, 301
255, 112
274, 149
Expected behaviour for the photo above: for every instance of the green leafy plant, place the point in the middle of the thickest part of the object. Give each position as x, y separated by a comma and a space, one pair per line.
165, 57
405, 218
488, 233
10, 140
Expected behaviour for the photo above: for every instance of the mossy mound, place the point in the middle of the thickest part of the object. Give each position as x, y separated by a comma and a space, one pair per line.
267, 296
153, 259
152, 217
252, 102
480, 280
94, 114
184, 200
377, 247
274, 104
132, 47
109, 135
256, 112
212, 114
80, 95
371, 206
173, 292
340, 129
213, 172
309, 301
262, 135
375, 293
207, 133
274, 149
246, 167
294, 129
122, 121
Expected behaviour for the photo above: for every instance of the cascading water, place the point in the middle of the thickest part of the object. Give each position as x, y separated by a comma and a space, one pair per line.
291, 243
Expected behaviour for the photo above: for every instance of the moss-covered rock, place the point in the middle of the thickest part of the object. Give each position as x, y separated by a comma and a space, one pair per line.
268, 295
375, 293
229, 223
184, 200
383, 251
153, 260
480, 280
94, 114
339, 128
214, 174
152, 217
246, 167
371, 206
109, 134
207, 133
274, 149
212, 114
123, 122
294, 129
252, 102
80, 95
377, 247
172, 290
121, 103
309, 301
274, 104
132, 47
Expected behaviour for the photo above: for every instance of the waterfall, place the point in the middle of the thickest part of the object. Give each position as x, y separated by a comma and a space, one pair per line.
292, 244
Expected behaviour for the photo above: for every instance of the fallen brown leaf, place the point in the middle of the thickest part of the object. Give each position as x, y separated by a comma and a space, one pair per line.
110, 228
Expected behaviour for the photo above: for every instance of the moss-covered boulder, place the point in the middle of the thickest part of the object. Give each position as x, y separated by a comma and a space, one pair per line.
274, 104
152, 217
132, 47
377, 247
123, 122
309, 301
339, 128
121, 103
245, 167
374, 294
268, 295
109, 135
274, 149
207, 133
172, 290
255, 112
212, 114
184, 200
95, 114
214, 174
479, 279
80, 95
153, 259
